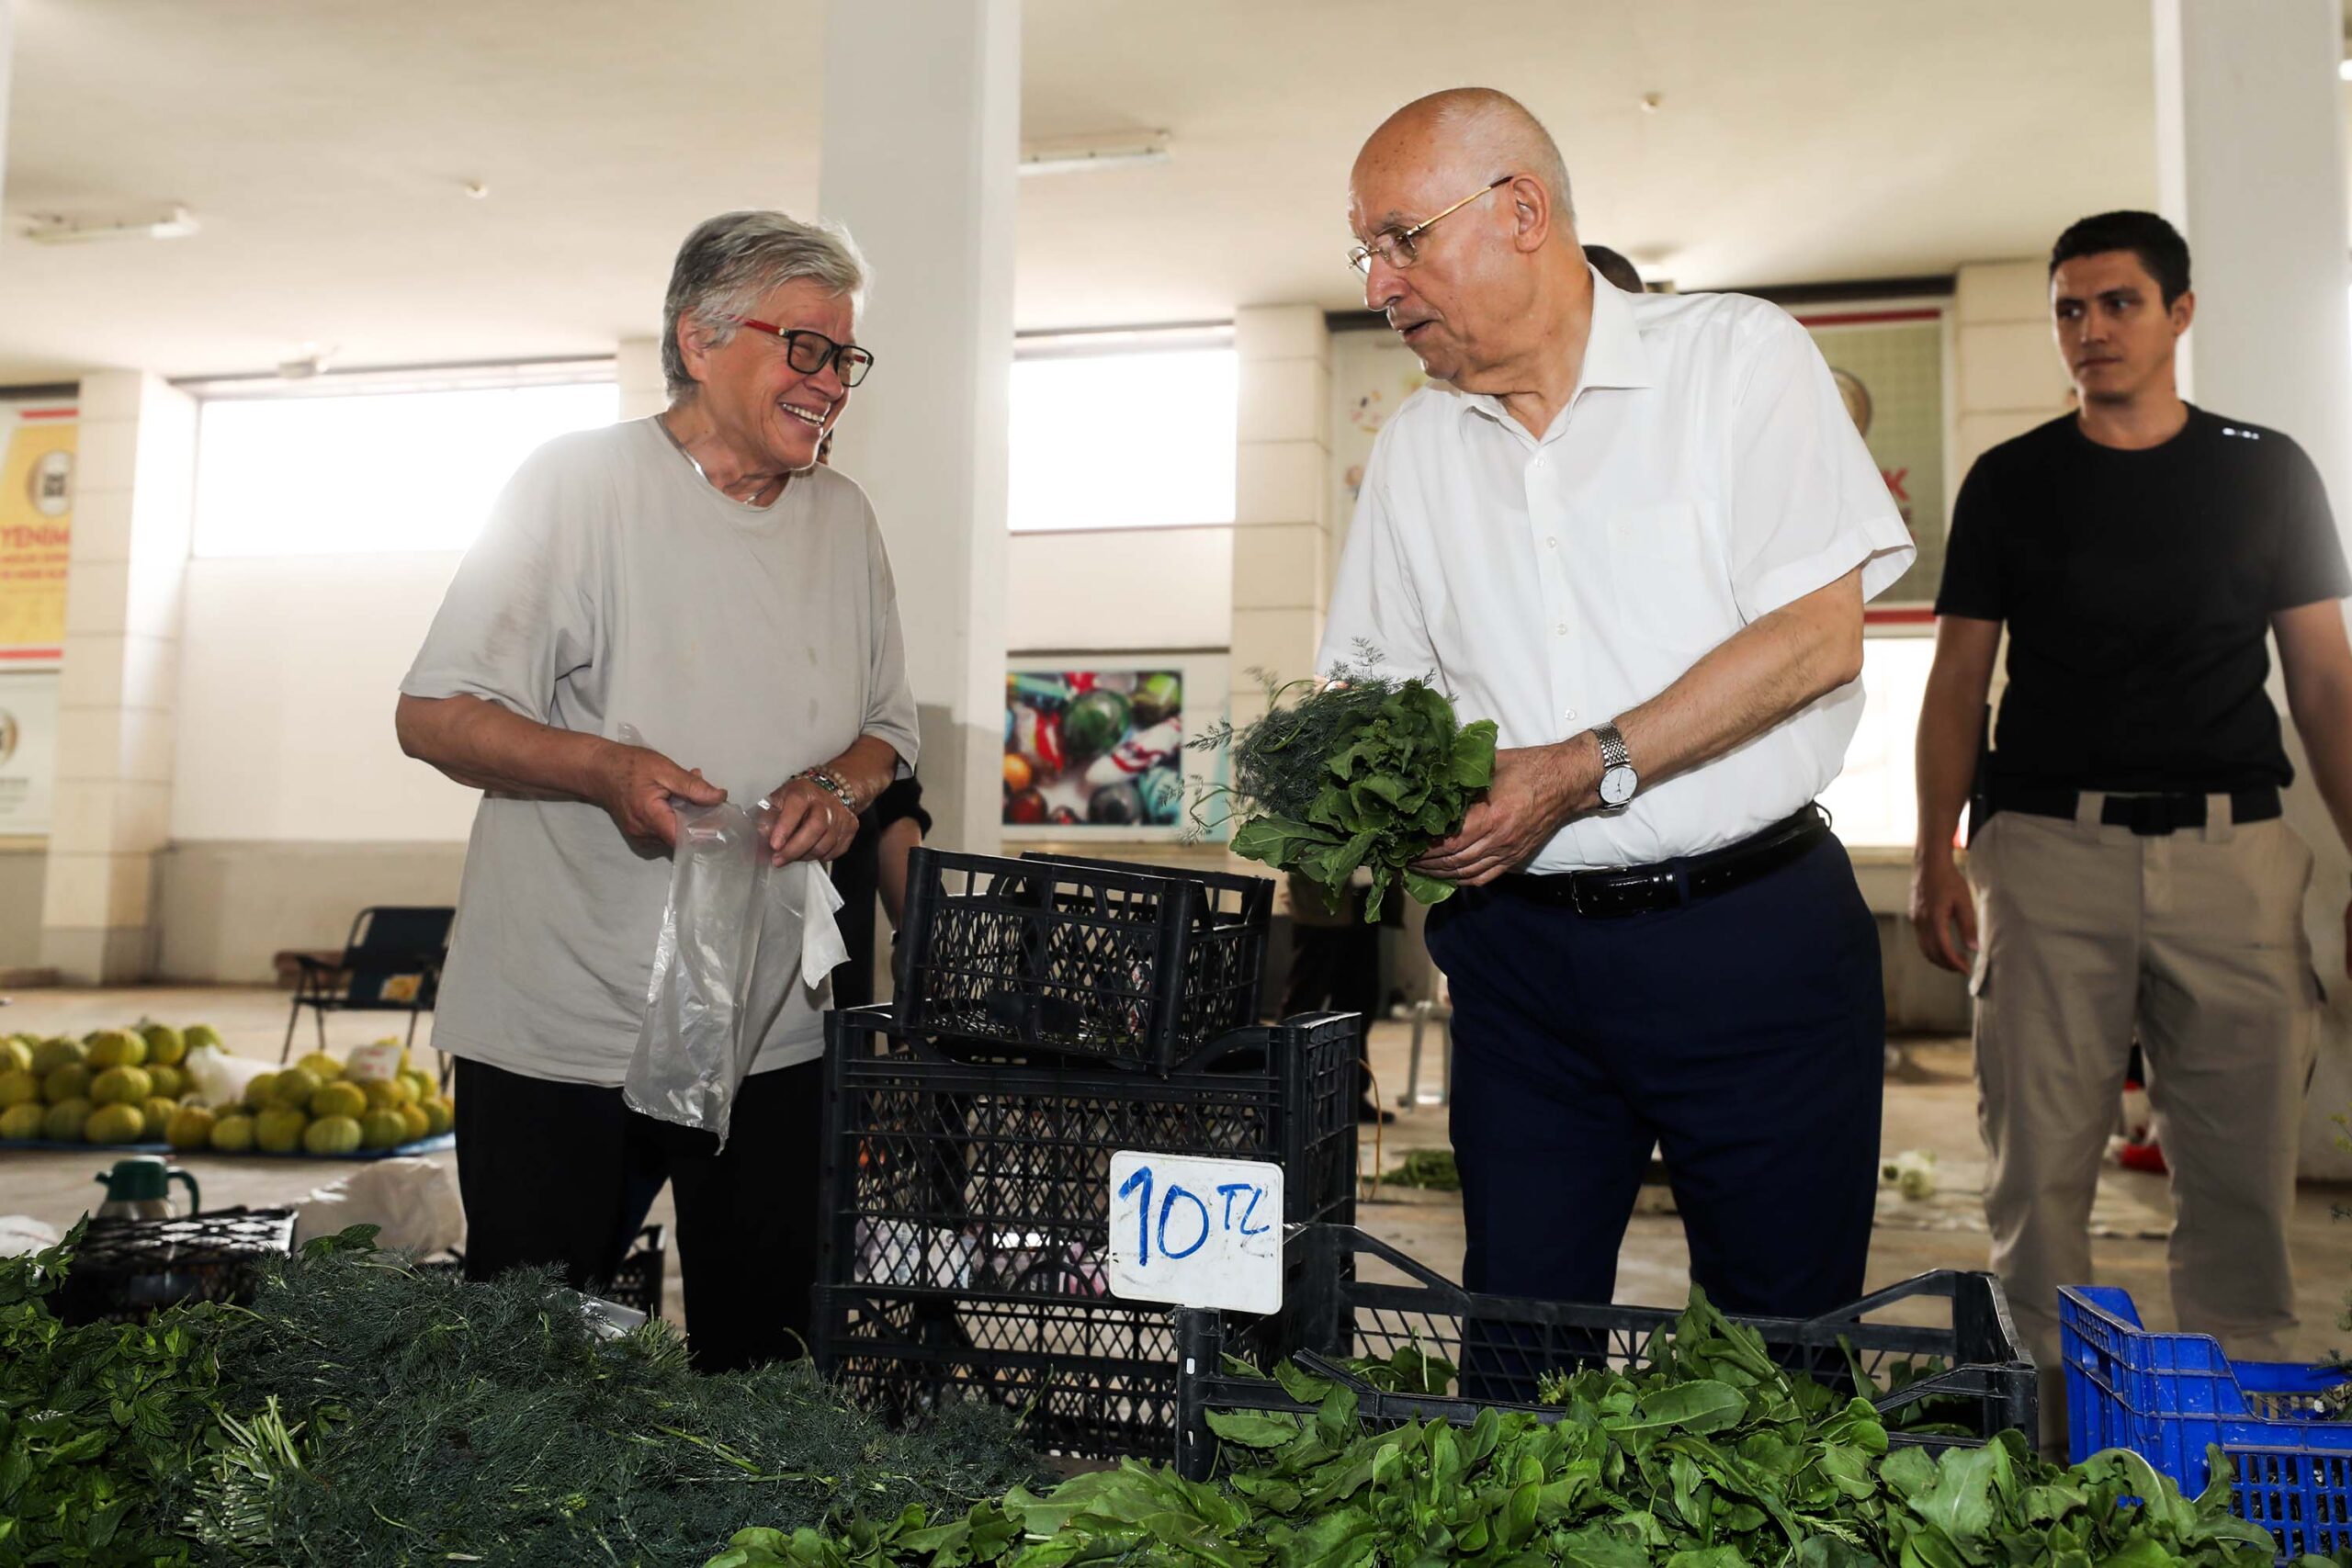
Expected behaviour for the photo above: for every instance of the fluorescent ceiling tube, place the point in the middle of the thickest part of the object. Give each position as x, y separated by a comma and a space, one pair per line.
1066, 154
170, 223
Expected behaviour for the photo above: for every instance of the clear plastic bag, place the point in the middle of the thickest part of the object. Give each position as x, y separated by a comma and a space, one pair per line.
737, 935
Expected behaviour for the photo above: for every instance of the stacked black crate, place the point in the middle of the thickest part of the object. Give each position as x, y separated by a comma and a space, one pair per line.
1050, 1013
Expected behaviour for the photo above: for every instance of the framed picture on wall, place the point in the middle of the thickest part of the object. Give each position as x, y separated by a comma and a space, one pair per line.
1888, 362
1094, 745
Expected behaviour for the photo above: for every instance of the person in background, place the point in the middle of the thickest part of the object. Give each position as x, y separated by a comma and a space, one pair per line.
2131, 865
1637, 531
685, 607
1613, 266
1335, 964
875, 867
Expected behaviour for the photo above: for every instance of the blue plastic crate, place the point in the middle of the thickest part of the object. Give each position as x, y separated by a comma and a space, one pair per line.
2167, 1396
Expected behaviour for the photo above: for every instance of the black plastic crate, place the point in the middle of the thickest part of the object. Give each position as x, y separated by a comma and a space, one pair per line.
958, 1176
126, 1270
636, 1284
1096, 1379
1138, 966
1503, 1347
968, 1204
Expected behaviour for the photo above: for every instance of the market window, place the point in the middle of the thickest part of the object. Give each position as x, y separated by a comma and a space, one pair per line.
359, 470
1123, 431
1874, 801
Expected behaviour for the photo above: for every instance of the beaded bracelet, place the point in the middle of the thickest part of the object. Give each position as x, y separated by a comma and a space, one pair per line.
831, 786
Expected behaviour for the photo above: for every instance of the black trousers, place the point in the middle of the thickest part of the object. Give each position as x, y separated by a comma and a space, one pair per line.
1744, 1033
1337, 967
547, 1173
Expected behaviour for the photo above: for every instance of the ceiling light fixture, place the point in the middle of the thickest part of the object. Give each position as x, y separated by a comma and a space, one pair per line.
171, 223
1068, 155
2344, 70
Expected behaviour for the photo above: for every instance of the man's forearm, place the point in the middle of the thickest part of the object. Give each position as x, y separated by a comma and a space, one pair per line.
866, 768
1746, 685
487, 747
2323, 719
1945, 765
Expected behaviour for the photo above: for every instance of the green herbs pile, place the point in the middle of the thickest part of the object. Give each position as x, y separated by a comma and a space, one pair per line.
1711, 1455
364, 1412
1368, 772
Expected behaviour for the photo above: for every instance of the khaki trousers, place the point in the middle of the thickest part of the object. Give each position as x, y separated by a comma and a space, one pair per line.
2196, 938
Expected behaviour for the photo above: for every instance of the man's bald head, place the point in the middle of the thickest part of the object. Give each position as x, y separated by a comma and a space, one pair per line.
1488, 134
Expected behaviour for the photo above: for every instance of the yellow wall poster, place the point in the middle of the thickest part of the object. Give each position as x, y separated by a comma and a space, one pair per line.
36, 528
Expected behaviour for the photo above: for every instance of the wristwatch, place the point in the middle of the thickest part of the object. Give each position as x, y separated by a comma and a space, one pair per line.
1618, 780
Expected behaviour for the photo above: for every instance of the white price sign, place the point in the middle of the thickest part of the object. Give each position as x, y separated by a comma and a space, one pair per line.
1200, 1233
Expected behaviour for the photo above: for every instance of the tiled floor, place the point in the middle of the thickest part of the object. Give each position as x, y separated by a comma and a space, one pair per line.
1931, 1104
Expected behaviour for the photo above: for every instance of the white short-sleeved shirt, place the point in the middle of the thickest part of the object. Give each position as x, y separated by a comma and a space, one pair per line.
613, 587
1704, 473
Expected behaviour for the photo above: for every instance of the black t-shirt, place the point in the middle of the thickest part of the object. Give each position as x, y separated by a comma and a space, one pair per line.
2138, 588
857, 877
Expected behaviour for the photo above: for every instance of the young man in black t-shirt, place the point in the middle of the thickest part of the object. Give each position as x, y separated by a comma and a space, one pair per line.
2131, 869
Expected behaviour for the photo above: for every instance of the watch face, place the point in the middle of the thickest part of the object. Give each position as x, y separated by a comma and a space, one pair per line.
1617, 786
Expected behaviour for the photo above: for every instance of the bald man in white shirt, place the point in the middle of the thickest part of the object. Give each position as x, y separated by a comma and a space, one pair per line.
1636, 532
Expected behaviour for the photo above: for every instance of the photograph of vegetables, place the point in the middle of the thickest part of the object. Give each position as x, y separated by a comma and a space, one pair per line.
1093, 748
1359, 769
361, 1412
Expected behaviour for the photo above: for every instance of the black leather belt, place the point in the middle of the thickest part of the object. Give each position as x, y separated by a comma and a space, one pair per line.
1637, 889
2150, 816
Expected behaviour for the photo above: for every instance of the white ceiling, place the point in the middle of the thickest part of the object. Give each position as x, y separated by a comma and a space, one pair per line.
325, 145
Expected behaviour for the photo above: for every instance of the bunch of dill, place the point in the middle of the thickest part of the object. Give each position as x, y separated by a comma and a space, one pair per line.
397, 1416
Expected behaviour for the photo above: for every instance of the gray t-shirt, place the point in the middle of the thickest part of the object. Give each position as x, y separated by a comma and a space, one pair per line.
614, 586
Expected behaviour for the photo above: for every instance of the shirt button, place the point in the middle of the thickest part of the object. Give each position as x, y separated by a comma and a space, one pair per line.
1573, 715
1552, 543
1561, 628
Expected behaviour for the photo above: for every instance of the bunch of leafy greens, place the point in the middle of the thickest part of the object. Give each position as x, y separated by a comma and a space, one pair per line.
1364, 771
363, 1412
98, 1423
1710, 1455
1432, 1169
405, 1415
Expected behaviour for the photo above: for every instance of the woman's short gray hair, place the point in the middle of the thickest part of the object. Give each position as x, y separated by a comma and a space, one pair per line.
731, 261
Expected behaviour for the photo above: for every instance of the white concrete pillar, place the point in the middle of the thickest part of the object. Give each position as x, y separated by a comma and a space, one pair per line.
1284, 550
2250, 166
637, 367
7, 54
920, 151
132, 511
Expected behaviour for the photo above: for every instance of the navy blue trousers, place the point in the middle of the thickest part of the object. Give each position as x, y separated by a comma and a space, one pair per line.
1745, 1034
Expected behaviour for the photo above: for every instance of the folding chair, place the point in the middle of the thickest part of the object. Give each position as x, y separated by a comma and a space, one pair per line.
391, 964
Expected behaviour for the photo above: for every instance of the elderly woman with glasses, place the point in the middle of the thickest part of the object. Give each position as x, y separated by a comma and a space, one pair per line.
685, 607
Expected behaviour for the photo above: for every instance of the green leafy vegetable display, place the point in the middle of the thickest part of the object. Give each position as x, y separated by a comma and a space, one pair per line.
98, 1423
1368, 771
362, 1412
1709, 1456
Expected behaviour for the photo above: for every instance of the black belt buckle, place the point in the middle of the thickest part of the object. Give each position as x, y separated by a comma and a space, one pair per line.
2154, 816
1621, 892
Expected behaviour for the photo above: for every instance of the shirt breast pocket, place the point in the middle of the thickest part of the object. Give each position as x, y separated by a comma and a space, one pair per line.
1669, 590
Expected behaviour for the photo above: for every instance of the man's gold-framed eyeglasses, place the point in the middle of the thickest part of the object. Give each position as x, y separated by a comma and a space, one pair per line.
1398, 249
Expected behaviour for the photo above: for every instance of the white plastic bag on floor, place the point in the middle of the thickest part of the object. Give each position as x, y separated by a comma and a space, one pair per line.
220, 1078
412, 1202
737, 936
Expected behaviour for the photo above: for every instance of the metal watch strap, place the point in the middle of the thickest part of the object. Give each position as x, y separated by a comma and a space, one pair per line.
1612, 746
